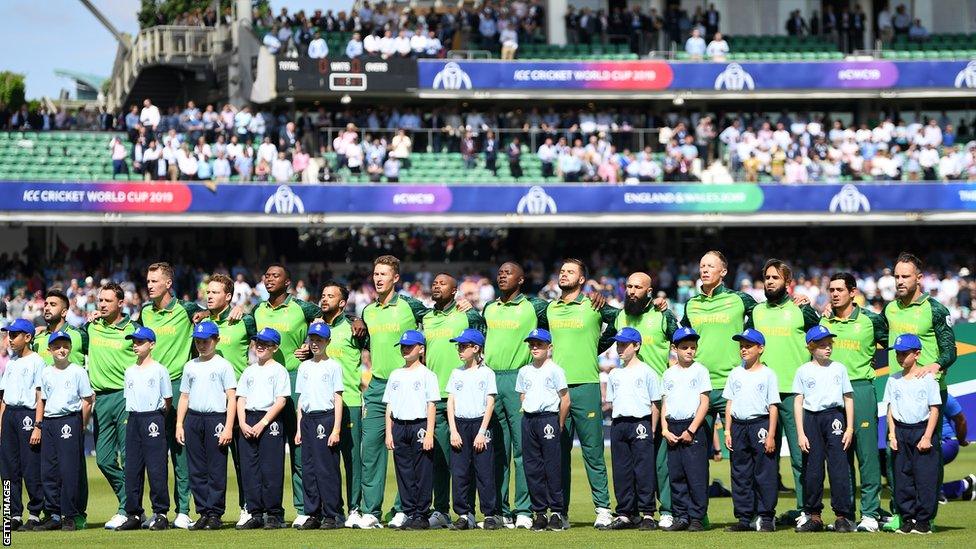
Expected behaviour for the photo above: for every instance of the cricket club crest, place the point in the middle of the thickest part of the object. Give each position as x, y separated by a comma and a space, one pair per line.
27, 424
153, 430
762, 434
549, 432
421, 433
641, 432
273, 429
218, 430
837, 427
66, 432
320, 431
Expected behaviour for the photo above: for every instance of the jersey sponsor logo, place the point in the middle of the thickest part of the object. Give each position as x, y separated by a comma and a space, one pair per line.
775, 331
549, 432
218, 430
320, 431
849, 200
27, 424
273, 429
439, 333
66, 432
641, 432
99, 341
500, 324
452, 77
837, 428
711, 318
761, 435
421, 433
153, 430
536, 202
734, 78
966, 78
565, 323
284, 201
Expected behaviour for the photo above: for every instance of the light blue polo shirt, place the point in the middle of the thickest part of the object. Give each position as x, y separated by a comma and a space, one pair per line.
147, 387
822, 387
409, 390
682, 388
261, 385
632, 390
207, 383
21, 379
317, 384
540, 386
62, 390
751, 392
470, 388
910, 398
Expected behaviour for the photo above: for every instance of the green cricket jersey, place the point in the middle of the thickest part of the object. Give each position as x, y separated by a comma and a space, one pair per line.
439, 327
576, 338
109, 353
930, 321
235, 338
857, 338
79, 344
716, 318
784, 325
291, 318
173, 325
656, 329
386, 323
508, 323
348, 350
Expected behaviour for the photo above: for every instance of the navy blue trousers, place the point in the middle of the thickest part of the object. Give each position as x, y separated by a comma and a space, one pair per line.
916, 474
754, 472
62, 447
542, 461
320, 466
414, 467
206, 461
470, 468
825, 431
688, 470
145, 453
263, 467
20, 462
634, 465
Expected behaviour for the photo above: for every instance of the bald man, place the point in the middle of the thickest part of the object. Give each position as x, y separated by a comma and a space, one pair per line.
656, 328
443, 322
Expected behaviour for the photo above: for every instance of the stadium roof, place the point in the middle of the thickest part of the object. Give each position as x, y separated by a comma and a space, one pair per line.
87, 86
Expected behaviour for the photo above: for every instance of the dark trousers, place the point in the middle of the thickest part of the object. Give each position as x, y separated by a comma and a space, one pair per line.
634, 465
320, 466
145, 443
542, 461
491, 161
688, 469
62, 446
825, 431
754, 472
263, 467
21, 462
207, 461
515, 168
548, 170
414, 467
916, 474
468, 465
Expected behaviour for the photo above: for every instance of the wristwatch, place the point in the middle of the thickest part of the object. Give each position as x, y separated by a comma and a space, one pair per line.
37, 424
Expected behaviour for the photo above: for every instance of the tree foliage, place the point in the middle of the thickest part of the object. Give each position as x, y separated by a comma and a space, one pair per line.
12, 89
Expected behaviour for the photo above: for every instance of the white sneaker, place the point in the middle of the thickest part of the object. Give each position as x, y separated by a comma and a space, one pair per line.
368, 522
665, 522
440, 520
299, 520
115, 521
868, 524
507, 523
603, 518
523, 521
754, 523
353, 519
245, 516
398, 520
182, 521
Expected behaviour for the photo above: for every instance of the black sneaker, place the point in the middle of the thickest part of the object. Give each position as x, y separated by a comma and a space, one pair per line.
557, 522
253, 523
678, 525
740, 527
16, 525
788, 517
921, 527
462, 523
48, 525
200, 523
811, 525
68, 525
329, 523
540, 523
491, 523
272, 523
311, 523
695, 525
767, 525
29, 526
647, 523
622, 523
907, 525
131, 523
159, 522
420, 522
212, 522
844, 525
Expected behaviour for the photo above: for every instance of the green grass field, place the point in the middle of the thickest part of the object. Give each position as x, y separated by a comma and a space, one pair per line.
953, 523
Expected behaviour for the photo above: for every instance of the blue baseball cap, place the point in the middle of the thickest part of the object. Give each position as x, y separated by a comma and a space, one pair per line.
539, 335
268, 335
320, 329
470, 335
205, 330
817, 333
750, 335
628, 335
683, 333
143, 334
412, 337
906, 342
60, 334
20, 326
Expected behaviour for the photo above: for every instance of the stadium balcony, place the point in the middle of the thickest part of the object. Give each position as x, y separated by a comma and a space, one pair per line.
56, 156
938, 46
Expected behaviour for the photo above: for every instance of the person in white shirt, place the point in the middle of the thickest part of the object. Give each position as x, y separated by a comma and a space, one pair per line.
355, 46
317, 48
401, 43
272, 42
267, 151
547, 156
509, 40
282, 170
242, 291
149, 116
434, 46
718, 48
695, 45
372, 44
418, 43
221, 168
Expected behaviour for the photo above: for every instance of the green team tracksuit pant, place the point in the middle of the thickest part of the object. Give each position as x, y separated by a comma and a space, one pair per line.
289, 417
110, 420
866, 447
442, 459
507, 424
586, 421
350, 447
374, 452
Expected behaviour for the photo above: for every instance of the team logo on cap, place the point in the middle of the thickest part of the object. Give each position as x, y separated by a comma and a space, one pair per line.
761, 435
320, 432
218, 430
641, 432
273, 429
420, 435
27, 424
66, 432
837, 427
549, 432
153, 430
